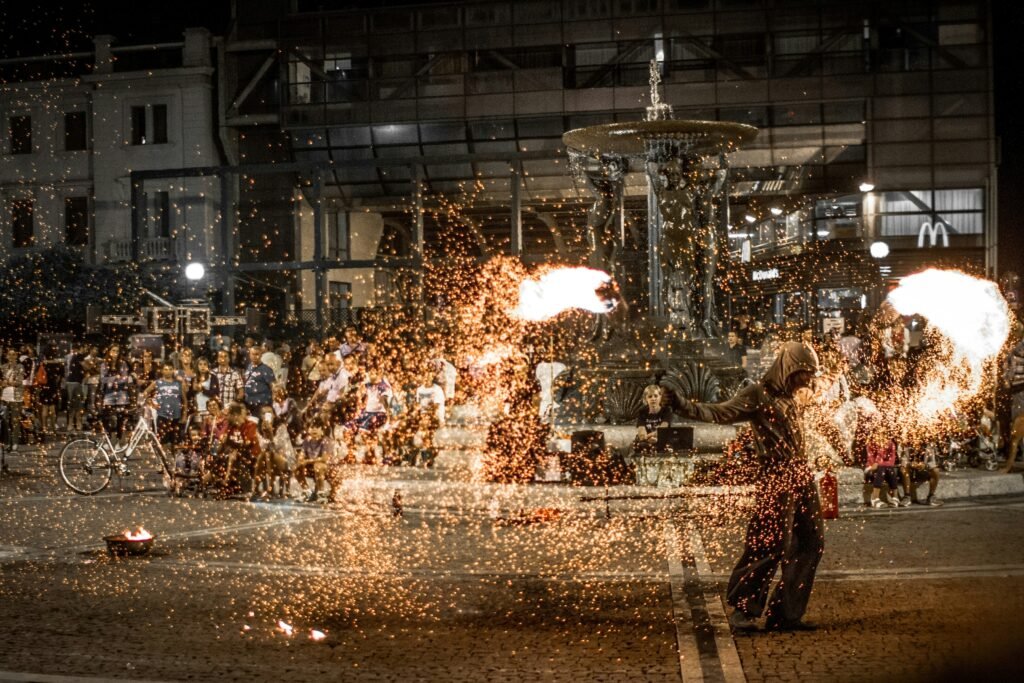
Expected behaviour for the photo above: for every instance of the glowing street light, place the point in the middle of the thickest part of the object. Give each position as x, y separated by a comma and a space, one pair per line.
879, 249
195, 271
776, 211
750, 218
866, 186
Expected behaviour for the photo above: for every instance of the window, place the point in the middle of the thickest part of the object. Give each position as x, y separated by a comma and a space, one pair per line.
338, 236
22, 227
339, 295
75, 138
932, 216
149, 124
76, 221
161, 224
138, 125
21, 134
159, 123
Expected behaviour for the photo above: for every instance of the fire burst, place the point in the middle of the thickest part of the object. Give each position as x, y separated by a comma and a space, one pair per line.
969, 311
972, 321
561, 289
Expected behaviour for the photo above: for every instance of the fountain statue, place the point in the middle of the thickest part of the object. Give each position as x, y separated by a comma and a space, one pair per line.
687, 176
686, 172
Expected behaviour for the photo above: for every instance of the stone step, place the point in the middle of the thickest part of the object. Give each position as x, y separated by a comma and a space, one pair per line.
706, 437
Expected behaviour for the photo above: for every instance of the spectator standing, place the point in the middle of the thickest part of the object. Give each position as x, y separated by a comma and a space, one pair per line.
168, 393
12, 379
737, 352
74, 385
145, 370
352, 343
186, 371
273, 361
430, 397
91, 366
116, 383
259, 382
229, 380
48, 380
204, 387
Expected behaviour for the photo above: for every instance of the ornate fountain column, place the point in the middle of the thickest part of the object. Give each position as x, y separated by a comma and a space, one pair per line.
686, 171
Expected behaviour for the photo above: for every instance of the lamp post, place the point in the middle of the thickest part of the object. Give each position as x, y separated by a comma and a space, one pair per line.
194, 273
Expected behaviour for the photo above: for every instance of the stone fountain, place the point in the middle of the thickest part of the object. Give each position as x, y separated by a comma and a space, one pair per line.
677, 337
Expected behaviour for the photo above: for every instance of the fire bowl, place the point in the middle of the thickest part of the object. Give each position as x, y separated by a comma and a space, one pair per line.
119, 546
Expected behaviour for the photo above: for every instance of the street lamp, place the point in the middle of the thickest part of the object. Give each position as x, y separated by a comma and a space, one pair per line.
879, 249
866, 186
195, 271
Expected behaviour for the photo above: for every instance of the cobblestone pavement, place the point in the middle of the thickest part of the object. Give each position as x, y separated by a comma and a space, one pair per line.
919, 594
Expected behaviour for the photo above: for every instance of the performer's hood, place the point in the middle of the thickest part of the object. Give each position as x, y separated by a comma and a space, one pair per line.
793, 357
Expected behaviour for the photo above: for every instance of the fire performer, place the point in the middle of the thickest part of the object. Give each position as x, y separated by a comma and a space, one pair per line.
786, 525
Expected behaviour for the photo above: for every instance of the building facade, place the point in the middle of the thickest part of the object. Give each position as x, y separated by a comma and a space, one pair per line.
446, 118
77, 126
319, 152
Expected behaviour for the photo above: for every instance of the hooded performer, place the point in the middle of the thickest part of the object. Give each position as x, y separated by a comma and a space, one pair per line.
786, 524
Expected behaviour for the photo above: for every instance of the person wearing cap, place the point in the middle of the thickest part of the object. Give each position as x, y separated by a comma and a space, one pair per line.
786, 526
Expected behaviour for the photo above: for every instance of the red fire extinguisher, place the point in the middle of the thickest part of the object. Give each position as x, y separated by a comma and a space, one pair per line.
829, 487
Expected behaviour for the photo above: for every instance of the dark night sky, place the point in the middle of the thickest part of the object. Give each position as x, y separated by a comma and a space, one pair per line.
28, 28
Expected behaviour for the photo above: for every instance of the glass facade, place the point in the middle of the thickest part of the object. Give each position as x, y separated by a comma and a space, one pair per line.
452, 103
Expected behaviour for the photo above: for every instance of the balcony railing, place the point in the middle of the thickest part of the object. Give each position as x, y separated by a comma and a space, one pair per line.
150, 249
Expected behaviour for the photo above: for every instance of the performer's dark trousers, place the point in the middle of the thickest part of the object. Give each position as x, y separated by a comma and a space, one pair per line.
786, 528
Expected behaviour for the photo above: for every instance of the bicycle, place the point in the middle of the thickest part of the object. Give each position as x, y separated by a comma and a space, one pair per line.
88, 464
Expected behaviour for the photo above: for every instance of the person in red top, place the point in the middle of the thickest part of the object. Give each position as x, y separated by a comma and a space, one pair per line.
881, 464
236, 448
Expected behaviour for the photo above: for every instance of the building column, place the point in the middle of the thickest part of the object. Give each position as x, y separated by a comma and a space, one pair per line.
319, 272
516, 181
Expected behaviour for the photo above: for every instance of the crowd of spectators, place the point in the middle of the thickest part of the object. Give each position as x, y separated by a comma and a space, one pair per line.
250, 418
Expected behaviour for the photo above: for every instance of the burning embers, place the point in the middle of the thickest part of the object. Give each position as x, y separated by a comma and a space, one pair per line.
129, 542
552, 292
139, 534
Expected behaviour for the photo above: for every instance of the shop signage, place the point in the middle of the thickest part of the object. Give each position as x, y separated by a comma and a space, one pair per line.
833, 325
767, 274
935, 231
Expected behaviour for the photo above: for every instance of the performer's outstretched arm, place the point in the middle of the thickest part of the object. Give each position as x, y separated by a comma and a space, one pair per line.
740, 408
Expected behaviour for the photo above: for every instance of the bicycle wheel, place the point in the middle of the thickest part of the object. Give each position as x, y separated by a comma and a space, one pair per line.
85, 467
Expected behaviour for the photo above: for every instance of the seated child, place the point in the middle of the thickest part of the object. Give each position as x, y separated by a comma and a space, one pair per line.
272, 463
881, 464
312, 459
656, 413
236, 449
189, 458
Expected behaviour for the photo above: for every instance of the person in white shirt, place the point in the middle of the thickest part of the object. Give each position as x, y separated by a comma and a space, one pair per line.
545, 374
374, 415
430, 397
427, 417
446, 376
274, 362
